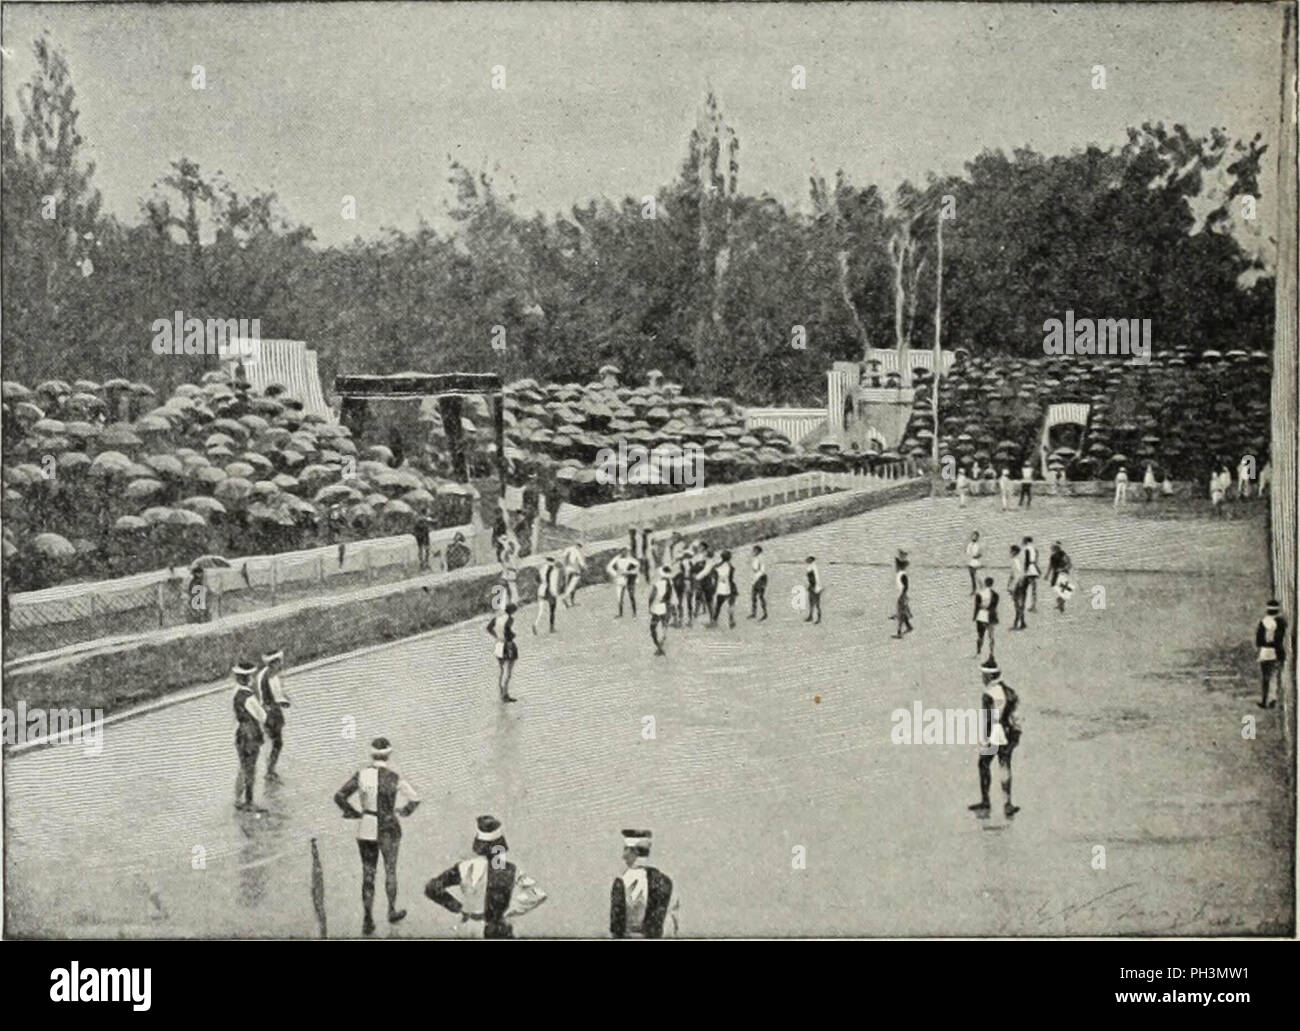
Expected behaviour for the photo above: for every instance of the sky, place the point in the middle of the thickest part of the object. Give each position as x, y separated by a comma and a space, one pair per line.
318, 102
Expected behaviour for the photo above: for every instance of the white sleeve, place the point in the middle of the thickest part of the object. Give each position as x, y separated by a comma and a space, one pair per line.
526, 896
405, 791
254, 708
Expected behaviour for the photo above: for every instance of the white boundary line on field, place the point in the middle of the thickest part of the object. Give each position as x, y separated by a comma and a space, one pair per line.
180, 697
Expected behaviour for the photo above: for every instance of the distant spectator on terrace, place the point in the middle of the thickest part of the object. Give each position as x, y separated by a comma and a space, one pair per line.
1026, 486
458, 553
1244, 469
1149, 483
423, 528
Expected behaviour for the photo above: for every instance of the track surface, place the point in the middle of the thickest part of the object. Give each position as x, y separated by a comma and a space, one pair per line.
768, 737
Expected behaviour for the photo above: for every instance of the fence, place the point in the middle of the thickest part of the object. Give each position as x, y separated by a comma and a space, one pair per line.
794, 423
605, 521
70, 613
57, 617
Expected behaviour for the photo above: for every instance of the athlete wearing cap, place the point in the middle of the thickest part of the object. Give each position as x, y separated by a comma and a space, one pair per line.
384, 796
249, 717
641, 899
999, 735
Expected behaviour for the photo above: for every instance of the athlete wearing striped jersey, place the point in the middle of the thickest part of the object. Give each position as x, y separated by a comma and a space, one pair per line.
492, 889
724, 591
974, 560
501, 628
641, 900
384, 795
548, 591
660, 603
575, 563
1270, 639
813, 589
903, 608
249, 717
622, 570
758, 590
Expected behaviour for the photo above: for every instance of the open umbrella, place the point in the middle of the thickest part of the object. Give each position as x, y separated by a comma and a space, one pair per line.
203, 505
241, 469
81, 430
110, 463
209, 474
210, 562
119, 435
258, 461
233, 490
419, 498
360, 514
139, 490
335, 493
156, 514
129, 524
185, 517
166, 465
24, 475
73, 462
152, 424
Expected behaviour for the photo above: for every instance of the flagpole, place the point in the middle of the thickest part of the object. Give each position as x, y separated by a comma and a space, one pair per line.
938, 316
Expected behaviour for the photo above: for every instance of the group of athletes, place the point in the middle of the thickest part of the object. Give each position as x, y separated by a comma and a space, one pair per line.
688, 582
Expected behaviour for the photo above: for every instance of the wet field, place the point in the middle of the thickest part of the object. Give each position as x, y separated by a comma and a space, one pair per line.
778, 802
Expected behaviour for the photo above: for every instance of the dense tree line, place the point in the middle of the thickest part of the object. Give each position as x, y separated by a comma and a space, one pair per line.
724, 291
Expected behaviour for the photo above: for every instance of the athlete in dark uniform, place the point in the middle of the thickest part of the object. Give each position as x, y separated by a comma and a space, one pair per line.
986, 616
249, 717
274, 701
1270, 639
814, 579
642, 896
660, 603
758, 590
492, 889
999, 735
724, 590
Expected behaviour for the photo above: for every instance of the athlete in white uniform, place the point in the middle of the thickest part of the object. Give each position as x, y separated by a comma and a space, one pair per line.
974, 560
574, 565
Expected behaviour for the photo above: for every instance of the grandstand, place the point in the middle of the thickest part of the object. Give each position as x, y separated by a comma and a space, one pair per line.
289, 363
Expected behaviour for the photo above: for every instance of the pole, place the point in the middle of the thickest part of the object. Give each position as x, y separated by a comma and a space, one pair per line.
938, 351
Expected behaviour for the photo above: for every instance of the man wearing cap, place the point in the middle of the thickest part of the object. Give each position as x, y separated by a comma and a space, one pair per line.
492, 888
384, 796
1270, 639
249, 717
274, 701
999, 735
641, 896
